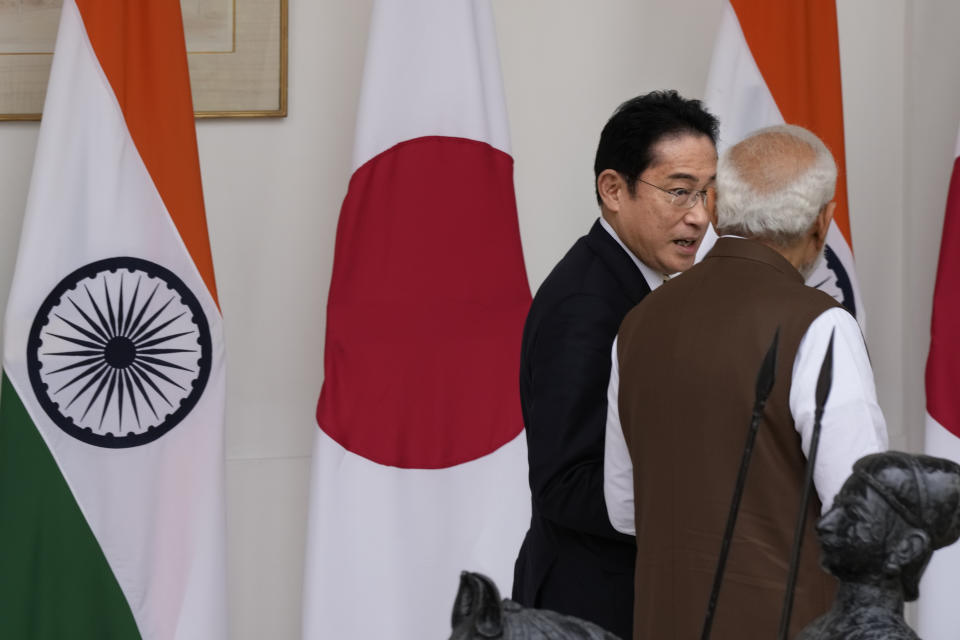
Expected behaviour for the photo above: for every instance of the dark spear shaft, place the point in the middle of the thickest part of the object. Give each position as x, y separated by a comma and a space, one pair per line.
824, 382
765, 379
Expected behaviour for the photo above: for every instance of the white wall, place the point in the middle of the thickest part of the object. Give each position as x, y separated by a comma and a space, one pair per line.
872, 67
273, 190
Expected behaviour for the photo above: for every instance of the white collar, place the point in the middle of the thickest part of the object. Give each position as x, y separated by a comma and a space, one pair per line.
653, 278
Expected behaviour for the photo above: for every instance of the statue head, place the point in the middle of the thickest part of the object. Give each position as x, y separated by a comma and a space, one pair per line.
892, 513
479, 614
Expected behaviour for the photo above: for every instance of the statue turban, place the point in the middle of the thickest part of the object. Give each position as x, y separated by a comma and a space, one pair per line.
923, 490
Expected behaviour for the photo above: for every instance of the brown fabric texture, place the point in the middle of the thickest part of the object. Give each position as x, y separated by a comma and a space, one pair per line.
689, 356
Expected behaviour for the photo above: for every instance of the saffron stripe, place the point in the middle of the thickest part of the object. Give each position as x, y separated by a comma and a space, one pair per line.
796, 48
147, 69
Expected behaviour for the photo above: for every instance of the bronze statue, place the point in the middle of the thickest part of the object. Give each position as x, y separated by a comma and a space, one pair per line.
479, 614
890, 516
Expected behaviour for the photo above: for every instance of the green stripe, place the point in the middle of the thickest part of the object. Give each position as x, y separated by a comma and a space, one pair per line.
54, 579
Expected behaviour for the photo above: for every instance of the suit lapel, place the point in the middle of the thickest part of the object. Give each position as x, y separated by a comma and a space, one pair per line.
618, 262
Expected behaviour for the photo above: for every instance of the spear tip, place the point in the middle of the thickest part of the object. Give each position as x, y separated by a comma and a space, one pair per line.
825, 380
767, 374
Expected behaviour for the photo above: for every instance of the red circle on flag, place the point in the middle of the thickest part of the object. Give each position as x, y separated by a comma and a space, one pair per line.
426, 307
943, 361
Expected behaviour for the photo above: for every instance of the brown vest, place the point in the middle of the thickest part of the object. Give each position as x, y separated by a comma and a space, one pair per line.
689, 356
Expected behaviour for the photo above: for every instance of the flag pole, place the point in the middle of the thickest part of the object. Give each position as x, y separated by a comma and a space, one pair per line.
765, 380
824, 382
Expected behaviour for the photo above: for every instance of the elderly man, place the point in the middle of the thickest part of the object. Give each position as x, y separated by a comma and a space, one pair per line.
655, 161
687, 360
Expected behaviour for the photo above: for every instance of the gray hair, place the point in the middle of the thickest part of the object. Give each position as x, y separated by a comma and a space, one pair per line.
772, 184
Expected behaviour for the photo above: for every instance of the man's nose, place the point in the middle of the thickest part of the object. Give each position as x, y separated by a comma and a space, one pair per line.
698, 215
828, 523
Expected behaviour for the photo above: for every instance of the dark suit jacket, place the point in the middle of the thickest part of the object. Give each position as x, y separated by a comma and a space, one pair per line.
572, 560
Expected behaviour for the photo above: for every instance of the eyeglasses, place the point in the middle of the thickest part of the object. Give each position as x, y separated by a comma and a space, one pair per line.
683, 198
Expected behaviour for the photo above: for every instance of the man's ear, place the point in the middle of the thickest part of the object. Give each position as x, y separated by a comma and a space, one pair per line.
821, 225
612, 189
912, 545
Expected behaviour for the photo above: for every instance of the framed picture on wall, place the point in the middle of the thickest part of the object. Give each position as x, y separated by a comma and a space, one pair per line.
236, 50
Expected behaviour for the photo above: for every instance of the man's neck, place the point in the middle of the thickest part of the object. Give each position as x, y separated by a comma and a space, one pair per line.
794, 254
652, 277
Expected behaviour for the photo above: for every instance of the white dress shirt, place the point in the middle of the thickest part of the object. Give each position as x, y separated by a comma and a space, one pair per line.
653, 278
852, 425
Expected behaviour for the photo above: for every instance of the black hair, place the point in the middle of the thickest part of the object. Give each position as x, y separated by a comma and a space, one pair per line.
627, 140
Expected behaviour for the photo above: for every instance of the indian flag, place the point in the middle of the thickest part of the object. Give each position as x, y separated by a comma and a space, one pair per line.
777, 62
938, 616
111, 411
419, 468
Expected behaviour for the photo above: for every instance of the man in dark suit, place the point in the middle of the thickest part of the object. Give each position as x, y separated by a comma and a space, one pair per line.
655, 163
